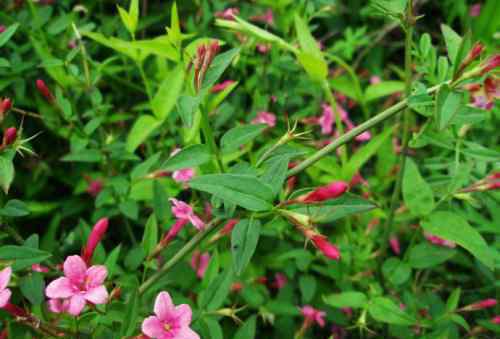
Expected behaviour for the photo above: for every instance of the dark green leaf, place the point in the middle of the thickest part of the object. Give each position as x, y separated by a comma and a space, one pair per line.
248, 329
14, 208
425, 255
244, 239
128, 326
275, 172
396, 271
190, 156
8, 33
22, 256
417, 194
32, 287
218, 66
214, 296
385, 310
240, 135
150, 236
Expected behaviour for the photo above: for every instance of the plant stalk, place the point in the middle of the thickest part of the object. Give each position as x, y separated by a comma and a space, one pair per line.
210, 140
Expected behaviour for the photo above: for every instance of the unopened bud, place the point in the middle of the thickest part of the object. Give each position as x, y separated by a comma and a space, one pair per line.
490, 64
330, 191
5, 106
44, 91
480, 305
10, 135
328, 249
298, 219
95, 237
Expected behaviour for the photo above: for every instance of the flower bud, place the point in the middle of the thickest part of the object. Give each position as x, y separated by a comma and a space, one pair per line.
44, 91
495, 320
490, 64
330, 191
5, 106
480, 305
95, 237
394, 242
328, 249
298, 219
9, 136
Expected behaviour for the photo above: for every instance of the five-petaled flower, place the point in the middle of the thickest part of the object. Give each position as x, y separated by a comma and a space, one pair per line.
183, 211
312, 315
4, 281
169, 321
80, 285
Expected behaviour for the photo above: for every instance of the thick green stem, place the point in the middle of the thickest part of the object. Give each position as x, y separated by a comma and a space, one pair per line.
186, 249
406, 132
210, 140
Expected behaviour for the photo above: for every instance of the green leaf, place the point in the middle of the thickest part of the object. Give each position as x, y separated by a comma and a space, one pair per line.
382, 89
130, 209
364, 154
174, 32
396, 271
84, 155
150, 236
315, 67
168, 93
214, 328
244, 190
144, 168
142, 128
133, 12
187, 106
128, 326
346, 299
248, 329
425, 255
160, 201
22, 256
334, 209
126, 20
6, 170
125, 47
8, 33
111, 261
240, 135
32, 287
417, 194
14, 208
453, 299
385, 310
307, 286
218, 66
244, 240
160, 46
452, 40
190, 156
453, 227
275, 172
306, 40
448, 103
214, 296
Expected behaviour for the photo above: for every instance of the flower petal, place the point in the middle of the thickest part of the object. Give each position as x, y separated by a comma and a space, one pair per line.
95, 276
152, 327
97, 295
75, 268
187, 333
183, 314
55, 305
163, 306
196, 221
76, 305
5, 277
4, 297
59, 289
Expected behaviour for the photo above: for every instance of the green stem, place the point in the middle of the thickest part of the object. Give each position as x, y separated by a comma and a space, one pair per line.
406, 131
145, 81
338, 122
210, 140
186, 249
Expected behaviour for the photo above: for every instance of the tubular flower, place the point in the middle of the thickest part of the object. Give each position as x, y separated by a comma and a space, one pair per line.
331, 191
480, 305
169, 321
394, 242
79, 286
328, 249
222, 86
96, 235
181, 210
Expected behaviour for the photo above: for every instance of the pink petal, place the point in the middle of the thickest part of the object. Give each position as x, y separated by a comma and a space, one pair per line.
180, 209
4, 297
196, 221
163, 305
76, 305
183, 175
187, 333
5, 277
75, 268
97, 295
183, 314
60, 288
55, 305
96, 276
152, 327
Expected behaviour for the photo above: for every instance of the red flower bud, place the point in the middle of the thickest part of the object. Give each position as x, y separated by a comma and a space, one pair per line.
490, 64
328, 249
496, 320
5, 105
228, 227
10, 135
480, 305
394, 242
2, 29
473, 54
44, 90
330, 191
95, 237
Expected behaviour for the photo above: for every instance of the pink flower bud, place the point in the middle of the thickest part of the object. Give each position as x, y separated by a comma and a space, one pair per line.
183, 175
44, 90
39, 268
228, 13
480, 305
5, 106
172, 233
493, 186
95, 237
495, 320
312, 315
222, 86
475, 10
2, 28
280, 280
475, 51
199, 262
328, 249
330, 191
394, 242
10, 135
490, 64
228, 227
94, 187
265, 118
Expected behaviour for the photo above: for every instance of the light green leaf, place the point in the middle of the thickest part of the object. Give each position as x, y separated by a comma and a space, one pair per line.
452, 40
168, 93
6, 169
448, 103
244, 239
275, 172
248, 329
306, 40
425, 255
240, 135
383, 89
417, 194
142, 128
84, 155
453, 227
8, 33
150, 236
187, 106
346, 299
14, 208
190, 156
220, 63
385, 310
315, 67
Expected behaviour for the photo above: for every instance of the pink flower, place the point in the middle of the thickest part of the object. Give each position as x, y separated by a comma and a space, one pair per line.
328, 249
394, 242
263, 48
80, 285
39, 268
481, 305
222, 86
181, 210
95, 237
312, 315
172, 232
58, 305
375, 79
183, 175
434, 239
169, 321
266, 18
475, 10
199, 262
326, 119
265, 118
280, 280
228, 13
365, 136
495, 320
333, 190
5, 293
490, 64
94, 187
